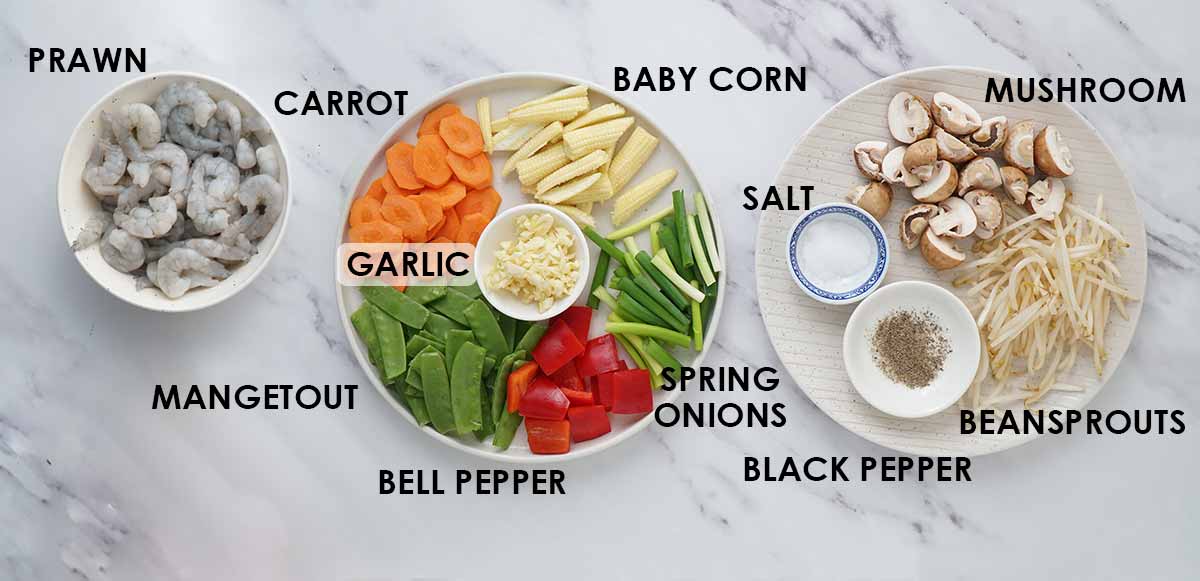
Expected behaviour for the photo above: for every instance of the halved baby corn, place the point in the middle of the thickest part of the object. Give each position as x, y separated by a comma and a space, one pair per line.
562, 110
513, 137
602, 113
530, 171
573, 91
631, 157
539, 140
584, 165
483, 111
565, 193
634, 198
585, 140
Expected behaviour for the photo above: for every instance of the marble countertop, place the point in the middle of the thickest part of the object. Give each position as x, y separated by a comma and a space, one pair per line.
94, 485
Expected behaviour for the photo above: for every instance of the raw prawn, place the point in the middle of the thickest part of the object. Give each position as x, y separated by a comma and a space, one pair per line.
97, 174
187, 94
93, 230
176, 159
214, 182
184, 268
268, 161
245, 154
261, 191
122, 251
148, 221
258, 126
231, 116
179, 128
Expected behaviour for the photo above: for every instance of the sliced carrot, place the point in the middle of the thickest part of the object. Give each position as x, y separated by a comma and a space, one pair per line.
376, 232
448, 195
474, 172
363, 210
485, 201
429, 161
400, 165
471, 227
406, 214
390, 187
433, 119
441, 240
375, 190
462, 135
450, 225
432, 209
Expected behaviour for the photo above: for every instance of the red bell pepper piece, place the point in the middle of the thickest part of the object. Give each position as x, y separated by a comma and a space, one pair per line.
599, 356
579, 319
602, 387
578, 397
631, 392
544, 400
558, 346
588, 422
548, 436
567, 377
518, 383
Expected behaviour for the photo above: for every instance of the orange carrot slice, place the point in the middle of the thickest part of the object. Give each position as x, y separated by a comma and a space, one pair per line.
450, 225
406, 214
485, 201
474, 172
363, 210
390, 187
471, 227
429, 125
429, 161
432, 209
462, 135
375, 190
376, 232
448, 195
400, 165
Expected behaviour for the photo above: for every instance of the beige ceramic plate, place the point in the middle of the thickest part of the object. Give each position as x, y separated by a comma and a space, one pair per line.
808, 335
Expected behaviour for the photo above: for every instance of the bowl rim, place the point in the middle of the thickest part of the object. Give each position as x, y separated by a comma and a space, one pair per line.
881, 262
585, 263
281, 223
957, 305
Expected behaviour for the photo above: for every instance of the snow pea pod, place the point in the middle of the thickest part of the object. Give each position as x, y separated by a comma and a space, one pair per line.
488, 333
466, 382
532, 335
397, 304
500, 385
364, 325
392, 357
426, 294
455, 339
438, 395
506, 428
452, 304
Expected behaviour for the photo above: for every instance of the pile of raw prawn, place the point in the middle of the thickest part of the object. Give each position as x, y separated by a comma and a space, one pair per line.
187, 187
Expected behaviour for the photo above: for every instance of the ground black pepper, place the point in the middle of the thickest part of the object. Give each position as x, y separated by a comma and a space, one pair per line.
910, 347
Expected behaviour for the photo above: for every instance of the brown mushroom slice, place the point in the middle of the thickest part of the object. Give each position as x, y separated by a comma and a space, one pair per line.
875, 198
868, 156
1016, 183
908, 117
1051, 154
913, 223
939, 186
1018, 150
990, 136
954, 114
920, 157
982, 172
940, 251
893, 169
1046, 198
989, 214
951, 148
956, 220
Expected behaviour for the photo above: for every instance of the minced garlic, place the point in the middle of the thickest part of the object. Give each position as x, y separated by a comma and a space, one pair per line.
540, 266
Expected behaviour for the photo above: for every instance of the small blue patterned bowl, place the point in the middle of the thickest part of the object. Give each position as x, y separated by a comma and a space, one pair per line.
856, 282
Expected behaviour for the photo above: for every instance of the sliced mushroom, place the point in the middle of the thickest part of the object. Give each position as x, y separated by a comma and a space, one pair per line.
951, 148
956, 220
1016, 183
1018, 150
875, 198
940, 186
1051, 154
940, 251
990, 136
913, 223
920, 157
908, 117
1046, 198
989, 214
868, 156
893, 169
982, 172
954, 115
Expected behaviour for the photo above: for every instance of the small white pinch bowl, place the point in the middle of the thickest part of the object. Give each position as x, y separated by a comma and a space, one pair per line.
503, 228
76, 204
850, 214
958, 370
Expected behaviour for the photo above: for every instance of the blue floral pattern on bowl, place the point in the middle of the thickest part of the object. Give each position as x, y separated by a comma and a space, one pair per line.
880, 263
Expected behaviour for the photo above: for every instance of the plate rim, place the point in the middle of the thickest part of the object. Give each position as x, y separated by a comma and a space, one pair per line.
414, 118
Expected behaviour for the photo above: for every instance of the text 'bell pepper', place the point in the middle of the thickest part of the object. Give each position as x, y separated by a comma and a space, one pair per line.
548, 436
588, 422
631, 392
599, 356
558, 346
518, 383
579, 319
544, 401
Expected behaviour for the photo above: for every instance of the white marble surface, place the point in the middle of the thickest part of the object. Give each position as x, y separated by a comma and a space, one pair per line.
95, 485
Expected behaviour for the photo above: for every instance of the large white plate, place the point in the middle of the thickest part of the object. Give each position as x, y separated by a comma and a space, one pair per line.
507, 90
808, 335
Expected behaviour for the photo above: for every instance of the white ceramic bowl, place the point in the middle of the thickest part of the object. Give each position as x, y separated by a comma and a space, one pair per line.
504, 227
958, 370
867, 280
76, 203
